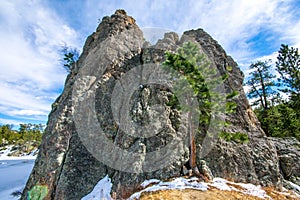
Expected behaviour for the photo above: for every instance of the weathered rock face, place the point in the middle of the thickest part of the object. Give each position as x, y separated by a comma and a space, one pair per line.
114, 117
288, 151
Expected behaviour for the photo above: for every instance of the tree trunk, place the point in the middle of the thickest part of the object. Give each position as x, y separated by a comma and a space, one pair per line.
265, 103
193, 150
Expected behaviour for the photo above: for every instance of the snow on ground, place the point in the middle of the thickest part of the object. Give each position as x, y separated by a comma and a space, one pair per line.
4, 154
296, 187
101, 191
177, 183
14, 174
103, 188
254, 190
248, 188
221, 184
192, 183
148, 182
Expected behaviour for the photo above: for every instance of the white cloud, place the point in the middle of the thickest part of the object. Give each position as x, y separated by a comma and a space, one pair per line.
13, 122
21, 105
232, 23
31, 73
27, 112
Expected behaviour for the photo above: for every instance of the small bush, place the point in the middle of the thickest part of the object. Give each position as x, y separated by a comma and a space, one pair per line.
236, 137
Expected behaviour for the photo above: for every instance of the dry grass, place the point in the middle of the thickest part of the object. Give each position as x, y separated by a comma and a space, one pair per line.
216, 194
276, 195
195, 195
213, 194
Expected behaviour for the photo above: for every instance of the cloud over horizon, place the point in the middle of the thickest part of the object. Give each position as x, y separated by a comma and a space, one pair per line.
30, 78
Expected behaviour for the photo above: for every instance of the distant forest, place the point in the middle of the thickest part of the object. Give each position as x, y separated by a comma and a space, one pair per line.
27, 133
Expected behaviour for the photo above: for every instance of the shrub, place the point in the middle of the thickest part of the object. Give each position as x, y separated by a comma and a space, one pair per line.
236, 137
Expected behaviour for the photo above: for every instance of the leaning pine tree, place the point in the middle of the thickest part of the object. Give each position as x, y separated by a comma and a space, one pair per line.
191, 65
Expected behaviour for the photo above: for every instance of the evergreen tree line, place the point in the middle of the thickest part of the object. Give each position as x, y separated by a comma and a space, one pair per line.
26, 133
275, 93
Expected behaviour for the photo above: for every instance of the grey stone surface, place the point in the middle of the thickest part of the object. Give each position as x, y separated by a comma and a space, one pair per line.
288, 151
75, 154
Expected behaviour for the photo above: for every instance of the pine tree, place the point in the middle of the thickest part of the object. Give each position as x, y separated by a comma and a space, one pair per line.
261, 83
288, 66
192, 65
70, 56
187, 62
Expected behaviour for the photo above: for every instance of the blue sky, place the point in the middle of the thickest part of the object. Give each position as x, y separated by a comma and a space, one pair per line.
32, 33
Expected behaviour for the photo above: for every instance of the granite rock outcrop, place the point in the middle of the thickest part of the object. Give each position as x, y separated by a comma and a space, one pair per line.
75, 154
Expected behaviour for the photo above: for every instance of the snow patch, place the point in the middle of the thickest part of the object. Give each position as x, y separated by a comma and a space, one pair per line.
17, 157
148, 182
221, 184
6, 151
14, 174
192, 183
177, 183
254, 190
7, 194
248, 188
34, 152
3, 163
101, 191
295, 186
4, 154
